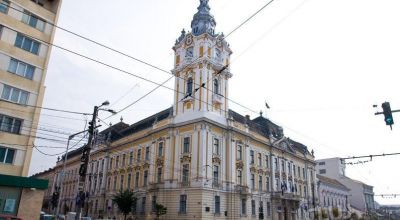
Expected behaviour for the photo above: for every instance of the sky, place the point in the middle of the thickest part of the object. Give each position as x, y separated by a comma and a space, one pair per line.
320, 64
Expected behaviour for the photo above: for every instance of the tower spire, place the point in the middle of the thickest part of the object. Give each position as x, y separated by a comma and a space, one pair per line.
203, 21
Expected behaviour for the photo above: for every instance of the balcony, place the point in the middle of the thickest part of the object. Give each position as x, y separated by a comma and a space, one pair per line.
217, 98
242, 189
285, 196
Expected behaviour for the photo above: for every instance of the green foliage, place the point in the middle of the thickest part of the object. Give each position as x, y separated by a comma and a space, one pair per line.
324, 214
335, 212
354, 216
124, 201
160, 210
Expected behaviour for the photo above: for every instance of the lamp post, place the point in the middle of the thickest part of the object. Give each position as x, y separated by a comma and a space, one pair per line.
63, 170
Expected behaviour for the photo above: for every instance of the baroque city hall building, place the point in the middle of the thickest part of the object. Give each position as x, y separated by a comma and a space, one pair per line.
198, 158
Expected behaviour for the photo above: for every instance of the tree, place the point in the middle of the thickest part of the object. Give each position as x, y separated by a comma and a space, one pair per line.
160, 210
124, 201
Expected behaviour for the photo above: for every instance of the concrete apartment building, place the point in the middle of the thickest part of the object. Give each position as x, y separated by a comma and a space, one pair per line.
198, 158
361, 194
25, 29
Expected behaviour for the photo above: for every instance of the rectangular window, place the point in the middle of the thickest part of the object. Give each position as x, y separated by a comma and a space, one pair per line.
182, 204
137, 180
121, 186
260, 183
111, 164
139, 155
267, 184
239, 152
304, 173
283, 165
7, 155
21, 69
9, 124
117, 162
259, 160
123, 160
261, 208
128, 186
160, 149
145, 175
109, 183
147, 154
298, 171
277, 188
130, 158
15, 95
33, 21
276, 163
159, 175
294, 170
217, 204
143, 205
251, 157
321, 163
322, 171
267, 161
216, 146
4, 4
185, 174
243, 207
27, 44
216, 175
186, 143
252, 181
268, 209
153, 203
239, 176
115, 183
253, 207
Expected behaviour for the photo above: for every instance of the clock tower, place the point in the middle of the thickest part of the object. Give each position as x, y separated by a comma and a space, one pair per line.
202, 70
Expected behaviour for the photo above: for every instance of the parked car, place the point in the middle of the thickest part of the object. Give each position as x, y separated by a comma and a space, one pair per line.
9, 217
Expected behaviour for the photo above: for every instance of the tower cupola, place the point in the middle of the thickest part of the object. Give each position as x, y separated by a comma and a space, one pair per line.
203, 21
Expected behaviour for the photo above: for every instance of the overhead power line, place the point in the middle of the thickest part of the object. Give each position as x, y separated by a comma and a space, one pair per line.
370, 156
145, 62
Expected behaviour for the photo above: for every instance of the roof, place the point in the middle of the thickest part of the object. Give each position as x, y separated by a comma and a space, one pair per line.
23, 182
145, 123
260, 125
330, 181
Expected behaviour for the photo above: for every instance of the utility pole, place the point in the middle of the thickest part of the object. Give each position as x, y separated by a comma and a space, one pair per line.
85, 158
59, 188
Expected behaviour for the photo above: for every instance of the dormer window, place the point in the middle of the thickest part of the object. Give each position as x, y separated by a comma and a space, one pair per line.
189, 85
189, 52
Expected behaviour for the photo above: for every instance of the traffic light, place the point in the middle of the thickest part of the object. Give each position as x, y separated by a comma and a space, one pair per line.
54, 199
387, 112
91, 128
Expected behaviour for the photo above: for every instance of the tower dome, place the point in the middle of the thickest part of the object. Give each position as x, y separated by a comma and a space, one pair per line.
203, 21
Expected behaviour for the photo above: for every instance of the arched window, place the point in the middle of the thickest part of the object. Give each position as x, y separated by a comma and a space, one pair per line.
189, 86
216, 86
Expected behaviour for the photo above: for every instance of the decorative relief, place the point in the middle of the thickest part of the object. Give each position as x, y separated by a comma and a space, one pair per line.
146, 165
261, 171
186, 158
253, 170
239, 164
216, 159
160, 162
